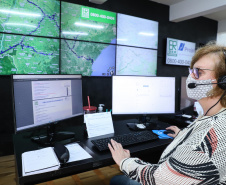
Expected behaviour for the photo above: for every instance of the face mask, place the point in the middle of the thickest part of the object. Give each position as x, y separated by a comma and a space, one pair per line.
200, 91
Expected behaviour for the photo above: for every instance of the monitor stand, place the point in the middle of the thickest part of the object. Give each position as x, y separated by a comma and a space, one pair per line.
150, 123
144, 123
52, 136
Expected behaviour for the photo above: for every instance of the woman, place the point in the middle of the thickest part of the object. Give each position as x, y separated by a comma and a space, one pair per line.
197, 154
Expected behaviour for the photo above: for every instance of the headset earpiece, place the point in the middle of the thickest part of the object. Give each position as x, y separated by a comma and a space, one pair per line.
222, 82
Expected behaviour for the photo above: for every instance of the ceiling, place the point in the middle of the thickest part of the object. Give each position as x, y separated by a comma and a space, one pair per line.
217, 13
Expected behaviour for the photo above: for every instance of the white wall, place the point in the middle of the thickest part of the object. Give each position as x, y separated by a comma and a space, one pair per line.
221, 32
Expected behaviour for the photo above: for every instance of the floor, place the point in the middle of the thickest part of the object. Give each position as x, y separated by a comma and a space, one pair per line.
99, 176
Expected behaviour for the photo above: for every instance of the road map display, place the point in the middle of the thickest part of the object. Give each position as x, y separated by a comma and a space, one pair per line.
28, 55
86, 23
30, 17
136, 61
86, 58
135, 31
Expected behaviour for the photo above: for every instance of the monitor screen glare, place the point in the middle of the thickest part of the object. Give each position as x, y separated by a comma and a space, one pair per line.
44, 99
143, 95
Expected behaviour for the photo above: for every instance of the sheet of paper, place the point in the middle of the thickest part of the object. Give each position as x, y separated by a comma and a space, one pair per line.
77, 153
99, 124
38, 161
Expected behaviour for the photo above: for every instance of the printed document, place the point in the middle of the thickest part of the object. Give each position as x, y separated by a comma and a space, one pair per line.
45, 159
99, 124
39, 161
77, 153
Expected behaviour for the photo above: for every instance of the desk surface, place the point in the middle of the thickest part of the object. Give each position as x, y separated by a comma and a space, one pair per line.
100, 159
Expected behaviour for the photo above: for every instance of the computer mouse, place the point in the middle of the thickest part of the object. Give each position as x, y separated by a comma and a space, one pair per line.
61, 152
169, 132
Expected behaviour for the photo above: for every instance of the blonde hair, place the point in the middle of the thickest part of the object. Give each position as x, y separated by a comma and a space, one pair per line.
220, 67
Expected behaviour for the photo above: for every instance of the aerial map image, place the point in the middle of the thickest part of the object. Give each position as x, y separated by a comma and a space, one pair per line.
20, 53
86, 58
96, 57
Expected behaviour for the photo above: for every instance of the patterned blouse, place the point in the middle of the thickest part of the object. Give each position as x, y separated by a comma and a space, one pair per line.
197, 155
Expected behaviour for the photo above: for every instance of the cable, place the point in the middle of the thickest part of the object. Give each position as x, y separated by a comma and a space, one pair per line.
215, 103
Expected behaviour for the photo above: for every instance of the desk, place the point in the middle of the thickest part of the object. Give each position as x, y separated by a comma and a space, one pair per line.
100, 159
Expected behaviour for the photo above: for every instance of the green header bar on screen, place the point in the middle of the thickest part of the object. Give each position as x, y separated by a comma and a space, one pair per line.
98, 15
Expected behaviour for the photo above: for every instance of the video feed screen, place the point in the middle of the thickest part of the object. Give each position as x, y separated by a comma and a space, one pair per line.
86, 58
30, 17
135, 31
28, 55
136, 61
88, 24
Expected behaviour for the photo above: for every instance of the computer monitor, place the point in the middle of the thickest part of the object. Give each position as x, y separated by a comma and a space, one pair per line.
45, 99
143, 95
185, 101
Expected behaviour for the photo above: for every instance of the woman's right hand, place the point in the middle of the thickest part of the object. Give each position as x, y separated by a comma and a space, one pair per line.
175, 129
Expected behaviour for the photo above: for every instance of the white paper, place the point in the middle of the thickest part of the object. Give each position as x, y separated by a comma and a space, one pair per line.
39, 161
77, 153
99, 124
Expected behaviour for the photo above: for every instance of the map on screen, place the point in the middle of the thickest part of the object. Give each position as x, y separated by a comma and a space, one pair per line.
86, 23
135, 31
86, 58
28, 55
30, 17
136, 61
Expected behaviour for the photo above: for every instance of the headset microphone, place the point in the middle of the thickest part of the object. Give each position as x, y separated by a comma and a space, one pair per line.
194, 85
221, 83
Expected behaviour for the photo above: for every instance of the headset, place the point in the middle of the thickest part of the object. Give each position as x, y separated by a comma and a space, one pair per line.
221, 82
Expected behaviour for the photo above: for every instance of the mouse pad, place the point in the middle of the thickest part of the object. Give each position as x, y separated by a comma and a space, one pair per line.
161, 135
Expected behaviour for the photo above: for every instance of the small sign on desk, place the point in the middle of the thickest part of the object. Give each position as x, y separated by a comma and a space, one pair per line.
99, 124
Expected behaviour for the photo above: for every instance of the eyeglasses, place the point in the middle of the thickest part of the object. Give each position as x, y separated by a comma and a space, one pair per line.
195, 71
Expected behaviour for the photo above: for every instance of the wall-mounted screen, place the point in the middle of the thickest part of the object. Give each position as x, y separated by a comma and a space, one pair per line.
136, 61
30, 17
135, 31
86, 58
28, 55
179, 52
86, 23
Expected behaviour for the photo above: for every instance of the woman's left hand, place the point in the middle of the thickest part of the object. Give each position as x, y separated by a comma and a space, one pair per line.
118, 152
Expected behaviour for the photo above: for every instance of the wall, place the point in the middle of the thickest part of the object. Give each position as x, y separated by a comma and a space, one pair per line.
221, 32
199, 30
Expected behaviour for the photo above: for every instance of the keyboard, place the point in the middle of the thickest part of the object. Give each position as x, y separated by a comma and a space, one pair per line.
125, 139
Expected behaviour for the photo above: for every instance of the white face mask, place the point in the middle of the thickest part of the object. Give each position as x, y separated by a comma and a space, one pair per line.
200, 91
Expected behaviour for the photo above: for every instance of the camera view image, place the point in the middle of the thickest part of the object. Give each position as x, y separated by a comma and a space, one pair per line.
28, 55
30, 17
86, 58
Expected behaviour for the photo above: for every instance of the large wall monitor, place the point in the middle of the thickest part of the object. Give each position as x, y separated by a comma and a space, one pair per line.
138, 32
136, 61
56, 37
28, 55
87, 58
143, 95
45, 99
179, 52
34, 17
86, 23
